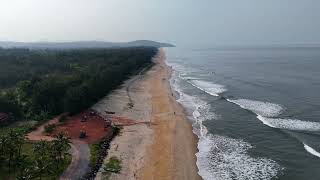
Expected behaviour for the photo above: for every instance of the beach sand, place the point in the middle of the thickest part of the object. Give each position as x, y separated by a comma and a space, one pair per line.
172, 154
163, 149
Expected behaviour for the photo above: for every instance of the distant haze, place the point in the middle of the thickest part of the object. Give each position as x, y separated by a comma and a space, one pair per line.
181, 22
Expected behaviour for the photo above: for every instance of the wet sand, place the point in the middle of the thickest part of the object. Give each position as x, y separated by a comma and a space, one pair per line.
165, 148
172, 154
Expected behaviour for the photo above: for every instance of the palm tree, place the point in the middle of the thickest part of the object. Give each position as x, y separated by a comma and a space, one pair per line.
42, 160
60, 148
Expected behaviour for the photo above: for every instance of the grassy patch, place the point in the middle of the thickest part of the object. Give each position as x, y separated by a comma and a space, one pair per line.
94, 152
112, 166
23, 129
95, 149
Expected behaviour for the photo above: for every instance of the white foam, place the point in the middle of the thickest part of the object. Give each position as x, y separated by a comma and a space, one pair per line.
208, 87
181, 68
219, 157
185, 77
265, 109
311, 150
290, 124
223, 158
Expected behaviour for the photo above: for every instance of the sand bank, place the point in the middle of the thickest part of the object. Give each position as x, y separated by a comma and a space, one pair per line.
172, 154
163, 149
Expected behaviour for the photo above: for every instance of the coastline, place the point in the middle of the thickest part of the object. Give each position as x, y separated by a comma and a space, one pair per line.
165, 147
172, 154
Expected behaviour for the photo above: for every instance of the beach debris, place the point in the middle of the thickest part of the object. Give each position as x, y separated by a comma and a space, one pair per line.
130, 105
109, 112
92, 113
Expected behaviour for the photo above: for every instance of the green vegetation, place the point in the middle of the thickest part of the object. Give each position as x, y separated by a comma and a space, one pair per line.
49, 128
113, 165
94, 152
37, 84
98, 148
18, 129
24, 160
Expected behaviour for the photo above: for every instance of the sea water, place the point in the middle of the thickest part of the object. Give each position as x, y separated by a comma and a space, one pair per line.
256, 110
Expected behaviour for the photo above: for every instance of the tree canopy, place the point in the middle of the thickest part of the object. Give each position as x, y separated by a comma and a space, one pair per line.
56, 81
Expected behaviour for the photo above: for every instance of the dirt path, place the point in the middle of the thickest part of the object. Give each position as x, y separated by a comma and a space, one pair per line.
80, 161
38, 134
79, 152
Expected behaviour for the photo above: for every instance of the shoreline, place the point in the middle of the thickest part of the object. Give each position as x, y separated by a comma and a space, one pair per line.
166, 147
172, 154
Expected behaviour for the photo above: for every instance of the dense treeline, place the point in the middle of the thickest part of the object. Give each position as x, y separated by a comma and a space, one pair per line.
20, 159
42, 82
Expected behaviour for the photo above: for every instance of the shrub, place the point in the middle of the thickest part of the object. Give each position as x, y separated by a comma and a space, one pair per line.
113, 165
49, 128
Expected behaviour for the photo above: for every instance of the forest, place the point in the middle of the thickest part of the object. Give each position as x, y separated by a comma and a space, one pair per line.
35, 84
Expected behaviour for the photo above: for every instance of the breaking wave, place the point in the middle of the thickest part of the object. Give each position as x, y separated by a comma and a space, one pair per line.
220, 157
267, 113
264, 109
223, 158
311, 150
290, 124
208, 87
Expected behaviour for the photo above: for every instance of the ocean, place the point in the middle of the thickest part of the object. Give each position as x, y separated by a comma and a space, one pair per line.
256, 110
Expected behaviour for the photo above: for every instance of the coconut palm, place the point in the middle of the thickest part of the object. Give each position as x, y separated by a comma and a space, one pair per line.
42, 159
60, 148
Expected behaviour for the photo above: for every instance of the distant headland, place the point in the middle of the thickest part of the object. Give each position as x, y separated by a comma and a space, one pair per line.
82, 44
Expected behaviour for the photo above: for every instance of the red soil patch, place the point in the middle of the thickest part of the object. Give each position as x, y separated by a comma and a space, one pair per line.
94, 127
123, 121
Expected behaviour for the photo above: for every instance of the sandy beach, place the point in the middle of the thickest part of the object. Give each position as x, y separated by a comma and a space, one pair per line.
165, 147
172, 154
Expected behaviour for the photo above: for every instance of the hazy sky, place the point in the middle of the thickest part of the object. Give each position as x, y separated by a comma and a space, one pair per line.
182, 22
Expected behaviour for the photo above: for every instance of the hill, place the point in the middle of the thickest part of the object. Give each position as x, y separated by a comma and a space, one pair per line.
82, 44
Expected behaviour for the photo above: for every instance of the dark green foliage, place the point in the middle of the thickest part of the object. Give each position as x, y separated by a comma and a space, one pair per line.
56, 81
8, 104
24, 160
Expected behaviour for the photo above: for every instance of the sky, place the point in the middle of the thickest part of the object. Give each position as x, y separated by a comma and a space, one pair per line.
181, 22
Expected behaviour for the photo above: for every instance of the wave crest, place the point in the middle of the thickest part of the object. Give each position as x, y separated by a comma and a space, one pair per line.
290, 124
208, 87
265, 109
